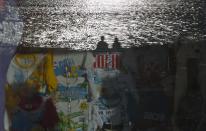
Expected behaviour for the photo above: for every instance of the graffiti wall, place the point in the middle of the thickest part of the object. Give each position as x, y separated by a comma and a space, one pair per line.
150, 70
75, 85
88, 91
71, 71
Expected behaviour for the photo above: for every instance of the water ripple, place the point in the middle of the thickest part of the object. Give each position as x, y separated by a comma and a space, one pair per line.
78, 25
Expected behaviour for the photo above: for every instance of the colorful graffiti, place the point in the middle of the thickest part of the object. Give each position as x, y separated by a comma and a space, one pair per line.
73, 90
99, 94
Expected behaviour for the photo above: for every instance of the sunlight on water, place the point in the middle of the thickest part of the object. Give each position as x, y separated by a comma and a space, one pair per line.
107, 5
78, 24
106, 2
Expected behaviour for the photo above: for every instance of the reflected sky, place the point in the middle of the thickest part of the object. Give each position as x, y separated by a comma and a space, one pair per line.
78, 24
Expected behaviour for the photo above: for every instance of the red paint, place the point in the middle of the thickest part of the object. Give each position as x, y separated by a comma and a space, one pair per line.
101, 61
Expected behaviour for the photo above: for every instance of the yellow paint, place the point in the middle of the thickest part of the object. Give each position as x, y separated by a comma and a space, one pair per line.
25, 61
50, 77
84, 106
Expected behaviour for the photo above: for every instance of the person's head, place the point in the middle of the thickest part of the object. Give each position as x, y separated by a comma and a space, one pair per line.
102, 38
116, 39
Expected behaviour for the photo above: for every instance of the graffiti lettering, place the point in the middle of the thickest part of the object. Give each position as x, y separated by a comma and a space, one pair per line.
110, 61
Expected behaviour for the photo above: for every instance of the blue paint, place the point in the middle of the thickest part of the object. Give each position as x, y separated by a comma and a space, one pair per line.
77, 92
19, 76
60, 66
25, 121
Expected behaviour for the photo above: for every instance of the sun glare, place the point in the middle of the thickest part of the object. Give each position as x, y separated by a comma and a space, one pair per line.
106, 5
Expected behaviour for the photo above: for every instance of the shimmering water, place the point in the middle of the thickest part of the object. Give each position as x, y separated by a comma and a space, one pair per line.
78, 24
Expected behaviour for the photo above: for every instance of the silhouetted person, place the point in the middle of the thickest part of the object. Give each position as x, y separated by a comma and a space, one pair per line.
116, 44
102, 45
